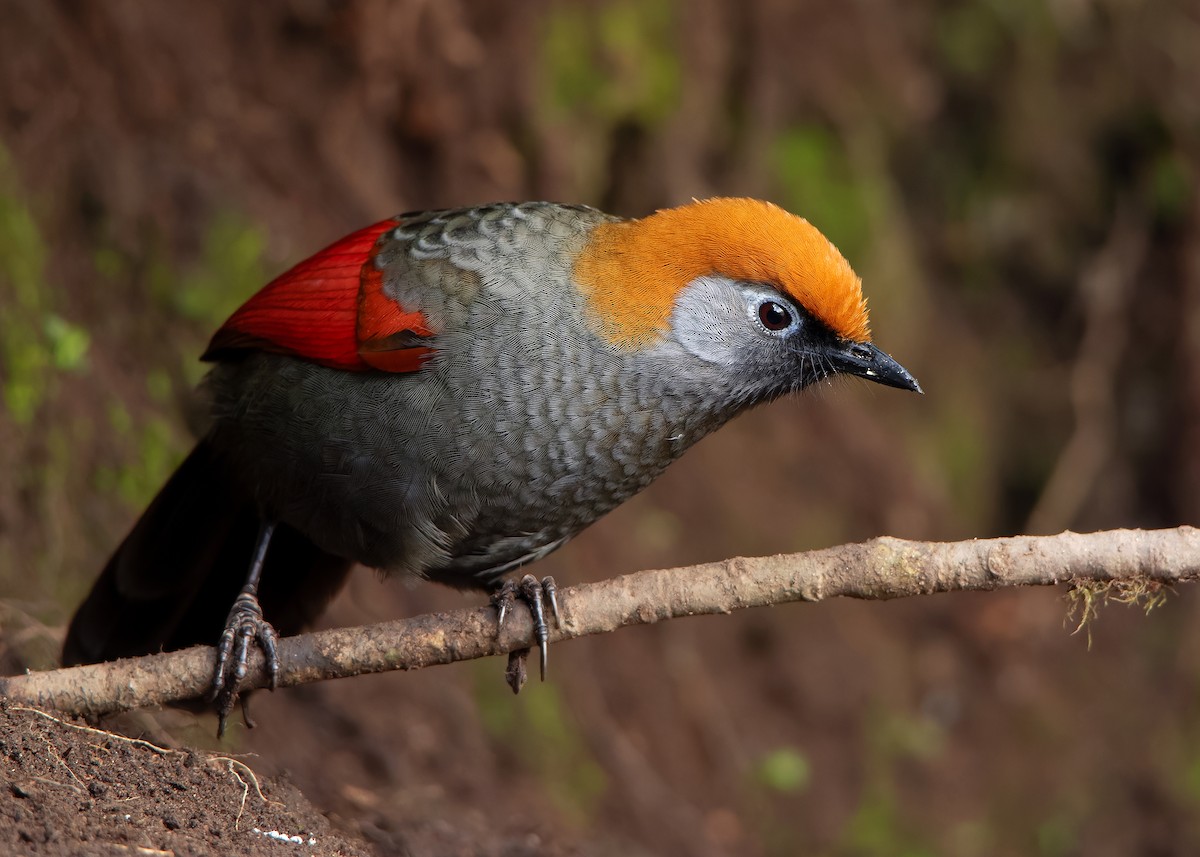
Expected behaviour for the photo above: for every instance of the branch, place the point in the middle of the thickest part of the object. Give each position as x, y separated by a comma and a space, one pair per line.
1132, 561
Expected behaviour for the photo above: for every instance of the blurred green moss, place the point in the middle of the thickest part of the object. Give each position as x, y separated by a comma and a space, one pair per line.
541, 733
785, 769
613, 61
971, 39
35, 342
879, 826
1172, 186
229, 271
606, 72
156, 449
816, 181
201, 294
1056, 837
68, 343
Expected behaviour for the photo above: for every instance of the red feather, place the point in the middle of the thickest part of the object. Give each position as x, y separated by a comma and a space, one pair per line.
385, 332
329, 309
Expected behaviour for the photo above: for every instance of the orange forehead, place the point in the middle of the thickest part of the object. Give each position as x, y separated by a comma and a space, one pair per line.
631, 271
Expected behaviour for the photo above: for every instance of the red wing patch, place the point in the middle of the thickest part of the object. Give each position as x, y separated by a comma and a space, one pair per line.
330, 309
388, 338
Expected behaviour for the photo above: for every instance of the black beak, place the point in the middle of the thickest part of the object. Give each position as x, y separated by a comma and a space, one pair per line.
866, 361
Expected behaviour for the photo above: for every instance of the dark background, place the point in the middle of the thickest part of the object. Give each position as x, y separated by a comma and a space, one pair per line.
1015, 182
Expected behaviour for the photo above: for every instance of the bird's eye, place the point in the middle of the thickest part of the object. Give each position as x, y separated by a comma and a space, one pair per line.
774, 316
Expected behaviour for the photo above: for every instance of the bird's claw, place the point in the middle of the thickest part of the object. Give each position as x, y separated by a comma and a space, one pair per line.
536, 595
243, 627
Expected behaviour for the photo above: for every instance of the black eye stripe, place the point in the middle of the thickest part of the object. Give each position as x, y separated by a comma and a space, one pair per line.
774, 315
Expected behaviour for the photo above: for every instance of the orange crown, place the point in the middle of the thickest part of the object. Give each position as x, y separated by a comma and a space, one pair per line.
631, 271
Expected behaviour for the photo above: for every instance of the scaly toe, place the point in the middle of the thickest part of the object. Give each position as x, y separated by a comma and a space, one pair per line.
535, 595
244, 627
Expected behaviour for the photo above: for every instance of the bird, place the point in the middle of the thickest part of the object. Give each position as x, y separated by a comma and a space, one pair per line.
454, 394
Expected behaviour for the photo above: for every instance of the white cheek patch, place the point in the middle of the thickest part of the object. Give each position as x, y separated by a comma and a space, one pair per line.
709, 320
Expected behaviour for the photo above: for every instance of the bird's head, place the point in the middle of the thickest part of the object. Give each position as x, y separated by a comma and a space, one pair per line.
739, 285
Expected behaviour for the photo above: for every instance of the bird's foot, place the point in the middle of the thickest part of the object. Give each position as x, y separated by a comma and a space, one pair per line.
536, 595
243, 627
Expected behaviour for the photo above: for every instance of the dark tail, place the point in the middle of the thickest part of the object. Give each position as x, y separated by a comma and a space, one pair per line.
172, 581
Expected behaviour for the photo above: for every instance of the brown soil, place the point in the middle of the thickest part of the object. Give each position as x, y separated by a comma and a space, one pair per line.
72, 789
